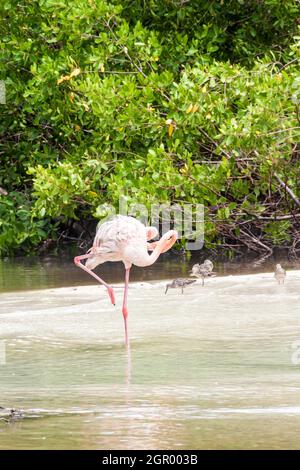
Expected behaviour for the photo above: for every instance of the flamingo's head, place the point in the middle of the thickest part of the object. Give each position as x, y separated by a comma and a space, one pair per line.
168, 240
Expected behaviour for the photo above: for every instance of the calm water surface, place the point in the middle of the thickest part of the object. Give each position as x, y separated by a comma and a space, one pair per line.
209, 369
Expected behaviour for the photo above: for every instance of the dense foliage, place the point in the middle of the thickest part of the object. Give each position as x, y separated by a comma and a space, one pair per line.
181, 101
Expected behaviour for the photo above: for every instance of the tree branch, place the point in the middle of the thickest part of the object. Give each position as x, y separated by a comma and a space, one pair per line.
287, 189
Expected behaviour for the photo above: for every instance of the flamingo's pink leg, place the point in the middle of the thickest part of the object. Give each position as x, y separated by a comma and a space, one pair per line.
124, 309
77, 261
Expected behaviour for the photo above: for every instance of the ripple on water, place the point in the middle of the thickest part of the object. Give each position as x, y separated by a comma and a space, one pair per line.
214, 365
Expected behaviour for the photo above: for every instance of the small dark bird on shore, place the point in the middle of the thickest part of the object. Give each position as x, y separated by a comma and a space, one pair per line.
203, 270
280, 274
179, 284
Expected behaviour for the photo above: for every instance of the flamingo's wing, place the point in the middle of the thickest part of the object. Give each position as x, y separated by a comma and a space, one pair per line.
105, 248
106, 251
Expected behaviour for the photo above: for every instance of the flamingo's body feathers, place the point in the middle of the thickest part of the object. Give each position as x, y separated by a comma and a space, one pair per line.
122, 238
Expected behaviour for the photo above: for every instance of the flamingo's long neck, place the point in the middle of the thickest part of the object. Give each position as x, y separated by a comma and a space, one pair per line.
143, 258
138, 254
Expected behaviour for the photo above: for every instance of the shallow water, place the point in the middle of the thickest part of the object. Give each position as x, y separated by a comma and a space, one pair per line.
209, 369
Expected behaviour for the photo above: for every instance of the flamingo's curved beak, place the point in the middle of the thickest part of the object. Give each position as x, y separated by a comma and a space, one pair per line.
170, 239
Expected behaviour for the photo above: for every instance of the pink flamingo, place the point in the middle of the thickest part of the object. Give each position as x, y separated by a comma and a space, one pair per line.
123, 238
